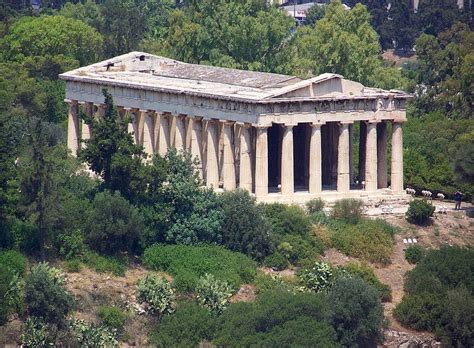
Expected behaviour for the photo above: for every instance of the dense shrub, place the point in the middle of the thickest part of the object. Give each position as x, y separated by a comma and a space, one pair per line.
90, 335
298, 249
419, 211
370, 240
36, 333
187, 327
14, 260
45, 295
112, 316
73, 265
114, 224
276, 261
363, 270
187, 263
348, 210
71, 245
315, 205
212, 293
287, 219
320, 277
356, 312
277, 319
245, 228
439, 296
414, 253
157, 293
105, 264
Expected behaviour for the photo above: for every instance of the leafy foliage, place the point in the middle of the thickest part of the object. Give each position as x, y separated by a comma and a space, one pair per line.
318, 278
245, 228
114, 224
419, 211
187, 263
414, 253
45, 294
440, 296
105, 264
189, 325
36, 333
112, 316
363, 271
348, 210
315, 205
90, 335
157, 293
213, 293
277, 319
370, 240
356, 312
277, 261
14, 260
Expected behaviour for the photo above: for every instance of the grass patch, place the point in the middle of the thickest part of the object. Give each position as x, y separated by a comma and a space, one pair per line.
112, 317
73, 265
187, 263
105, 264
370, 240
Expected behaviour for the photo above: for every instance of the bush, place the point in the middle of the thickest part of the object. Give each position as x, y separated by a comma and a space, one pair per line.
7, 276
277, 261
187, 263
298, 249
187, 327
363, 270
15, 261
315, 205
348, 210
370, 240
318, 278
45, 295
91, 336
245, 228
276, 319
73, 265
105, 264
114, 224
356, 312
287, 219
213, 294
112, 317
439, 296
414, 253
36, 333
71, 245
157, 294
419, 212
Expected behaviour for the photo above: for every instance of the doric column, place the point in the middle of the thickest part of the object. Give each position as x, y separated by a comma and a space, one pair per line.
351, 154
343, 179
156, 130
245, 169
195, 147
164, 135
371, 157
86, 129
189, 121
73, 127
180, 133
315, 159
134, 125
287, 164
228, 168
261, 161
382, 155
148, 132
212, 165
362, 150
397, 158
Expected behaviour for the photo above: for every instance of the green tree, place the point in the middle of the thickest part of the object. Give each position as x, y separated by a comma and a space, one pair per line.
343, 42
112, 154
436, 16
314, 14
114, 225
356, 312
242, 34
52, 38
245, 228
403, 25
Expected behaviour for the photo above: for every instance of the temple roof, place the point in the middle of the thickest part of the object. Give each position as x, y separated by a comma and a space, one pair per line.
149, 72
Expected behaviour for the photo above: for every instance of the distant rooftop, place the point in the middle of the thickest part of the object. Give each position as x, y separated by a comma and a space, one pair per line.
146, 71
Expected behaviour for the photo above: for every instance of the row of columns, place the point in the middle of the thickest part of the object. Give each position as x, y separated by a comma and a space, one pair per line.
214, 143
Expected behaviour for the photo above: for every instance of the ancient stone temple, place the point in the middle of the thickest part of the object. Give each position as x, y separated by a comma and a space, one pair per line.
281, 137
